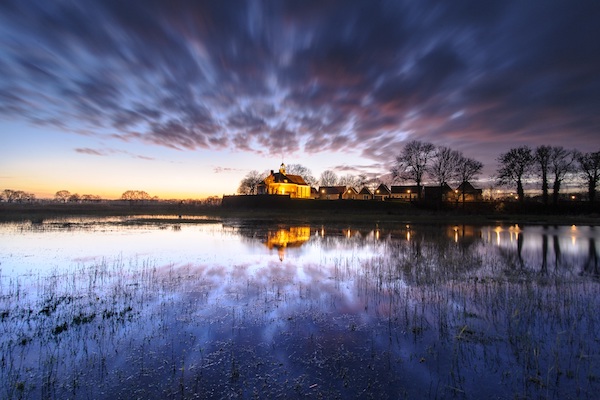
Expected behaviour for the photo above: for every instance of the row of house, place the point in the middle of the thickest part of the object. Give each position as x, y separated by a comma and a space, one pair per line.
294, 185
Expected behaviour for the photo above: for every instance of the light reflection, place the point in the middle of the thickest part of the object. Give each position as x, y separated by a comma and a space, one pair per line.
337, 297
294, 236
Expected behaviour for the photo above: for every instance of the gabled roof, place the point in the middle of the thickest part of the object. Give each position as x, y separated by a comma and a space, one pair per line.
350, 189
466, 187
332, 189
436, 189
278, 177
382, 190
365, 190
405, 189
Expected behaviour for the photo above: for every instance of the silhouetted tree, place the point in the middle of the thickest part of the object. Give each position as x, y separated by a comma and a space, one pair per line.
514, 165
349, 180
62, 195
411, 164
362, 180
542, 162
133, 195
304, 172
442, 168
75, 198
562, 162
328, 178
89, 197
467, 169
589, 165
249, 184
9, 195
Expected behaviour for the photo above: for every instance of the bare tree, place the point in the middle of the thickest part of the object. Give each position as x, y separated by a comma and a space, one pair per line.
304, 172
442, 168
349, 180
249, 184
514, 166
542, 164
328, 178
467, 169
562, 162
62, 195
9, 195
74, 198
411, 164
133, 195
589, 165
89, 197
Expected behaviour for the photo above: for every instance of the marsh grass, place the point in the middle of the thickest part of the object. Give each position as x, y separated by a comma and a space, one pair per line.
425, 318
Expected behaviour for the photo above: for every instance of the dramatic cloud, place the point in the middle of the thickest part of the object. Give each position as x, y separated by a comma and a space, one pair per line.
287, 76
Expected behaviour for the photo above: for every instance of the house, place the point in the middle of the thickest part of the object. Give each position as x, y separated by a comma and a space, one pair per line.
284, 184
314, 193
331, 192
350, 194
365, 194
405, 193
382, 192
469, 192
439, 193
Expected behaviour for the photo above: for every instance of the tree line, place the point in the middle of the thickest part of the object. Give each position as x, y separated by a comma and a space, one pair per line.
423, 162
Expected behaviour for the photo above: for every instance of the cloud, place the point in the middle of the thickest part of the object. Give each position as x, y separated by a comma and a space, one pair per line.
92, 152
108, 152
220, 170
313, 76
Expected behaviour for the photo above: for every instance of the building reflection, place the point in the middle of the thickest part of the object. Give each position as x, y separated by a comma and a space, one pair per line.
281, 239
540, 249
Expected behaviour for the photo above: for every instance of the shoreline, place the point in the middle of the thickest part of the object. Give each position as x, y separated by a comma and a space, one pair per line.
316, 212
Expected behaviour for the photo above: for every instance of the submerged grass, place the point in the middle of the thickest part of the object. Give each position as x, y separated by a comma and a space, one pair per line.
419, 319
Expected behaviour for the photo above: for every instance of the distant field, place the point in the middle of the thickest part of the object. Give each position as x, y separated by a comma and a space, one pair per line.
320, 211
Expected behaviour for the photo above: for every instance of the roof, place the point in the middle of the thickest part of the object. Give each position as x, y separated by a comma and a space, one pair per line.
332, 189
466, 187
382, 190
278, 177
430, 190
365, 190
405, 189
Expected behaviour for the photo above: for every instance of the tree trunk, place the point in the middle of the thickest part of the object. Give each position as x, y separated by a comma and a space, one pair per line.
544, 188
520, 191
592, 191
555, 190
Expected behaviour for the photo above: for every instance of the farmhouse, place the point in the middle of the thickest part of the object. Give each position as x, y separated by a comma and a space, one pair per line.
284, 184
406, 193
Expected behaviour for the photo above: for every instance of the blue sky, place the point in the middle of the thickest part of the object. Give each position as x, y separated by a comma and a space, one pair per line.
182, 99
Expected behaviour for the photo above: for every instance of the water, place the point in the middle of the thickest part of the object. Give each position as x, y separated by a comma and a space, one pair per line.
158, 308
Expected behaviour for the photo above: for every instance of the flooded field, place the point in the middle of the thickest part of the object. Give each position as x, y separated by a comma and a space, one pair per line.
153, 308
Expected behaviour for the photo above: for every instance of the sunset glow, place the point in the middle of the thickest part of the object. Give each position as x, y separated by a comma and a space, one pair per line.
182, 101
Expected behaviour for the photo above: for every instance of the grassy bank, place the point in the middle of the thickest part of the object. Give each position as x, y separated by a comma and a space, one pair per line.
318, 212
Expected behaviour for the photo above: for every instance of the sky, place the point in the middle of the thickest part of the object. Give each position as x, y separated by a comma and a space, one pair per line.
182, 99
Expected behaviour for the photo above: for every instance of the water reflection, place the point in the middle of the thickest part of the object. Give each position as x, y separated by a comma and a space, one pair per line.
283, 238
251, 309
